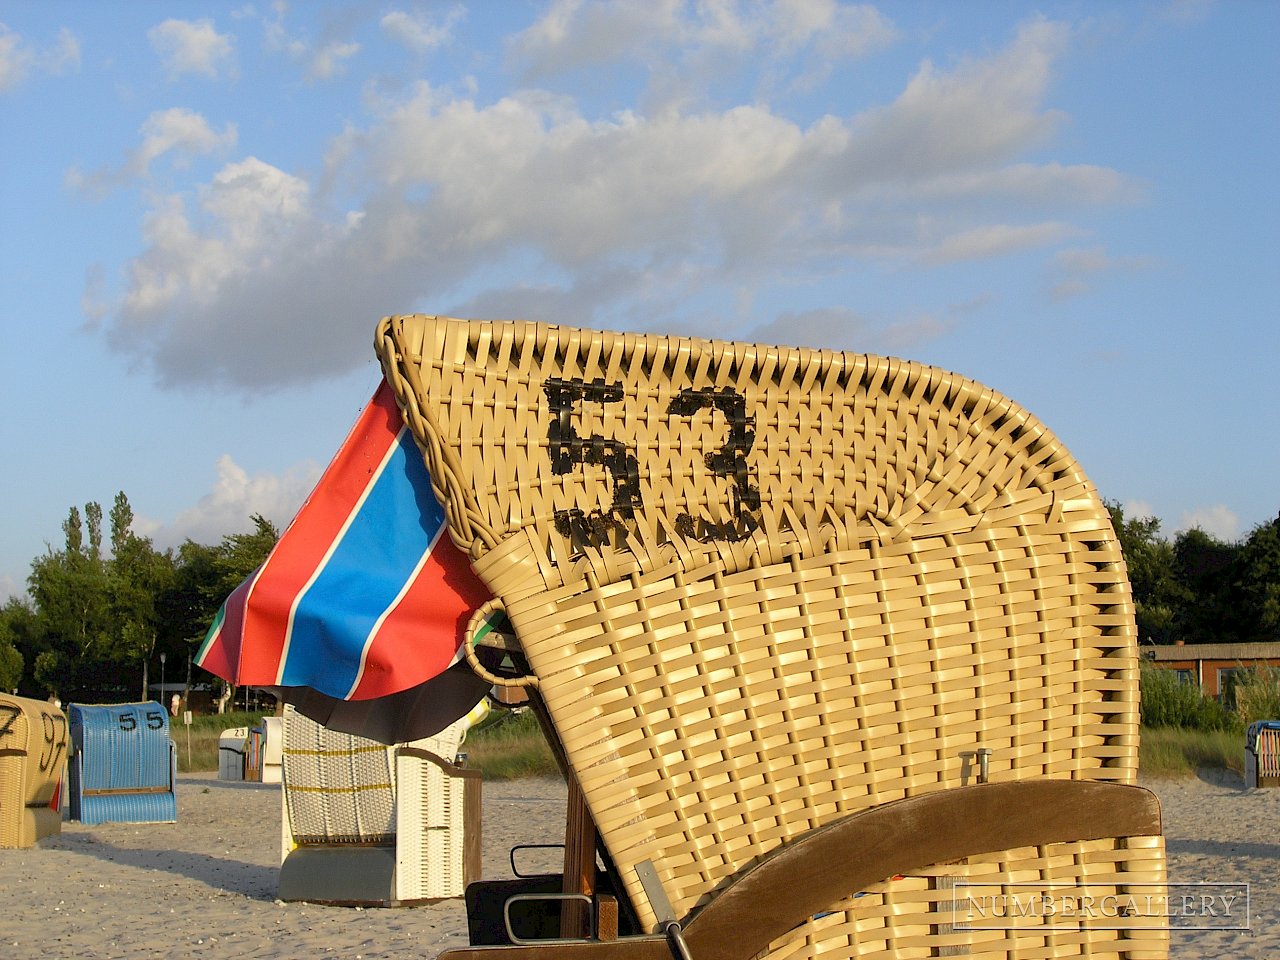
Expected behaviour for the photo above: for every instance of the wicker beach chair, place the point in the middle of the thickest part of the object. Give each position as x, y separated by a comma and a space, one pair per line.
827, 641
368, 823
33, 759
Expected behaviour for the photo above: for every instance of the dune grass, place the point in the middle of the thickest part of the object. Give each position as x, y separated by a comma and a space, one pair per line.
202, 757
506, 747
509, 746
1175, 752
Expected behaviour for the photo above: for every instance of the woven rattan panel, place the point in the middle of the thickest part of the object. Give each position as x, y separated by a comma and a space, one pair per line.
761, 588
1097, 899
338, 788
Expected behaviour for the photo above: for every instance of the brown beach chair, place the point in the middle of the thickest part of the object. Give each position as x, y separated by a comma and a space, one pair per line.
827, 641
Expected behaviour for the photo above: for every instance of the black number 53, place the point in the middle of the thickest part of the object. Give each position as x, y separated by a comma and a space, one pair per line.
569, 451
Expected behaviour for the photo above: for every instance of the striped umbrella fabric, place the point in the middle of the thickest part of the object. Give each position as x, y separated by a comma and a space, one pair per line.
364, 598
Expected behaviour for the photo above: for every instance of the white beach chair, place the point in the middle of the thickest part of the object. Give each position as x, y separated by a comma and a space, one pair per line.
370, 824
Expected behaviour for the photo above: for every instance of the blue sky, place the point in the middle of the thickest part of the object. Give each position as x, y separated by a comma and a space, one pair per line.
205, 208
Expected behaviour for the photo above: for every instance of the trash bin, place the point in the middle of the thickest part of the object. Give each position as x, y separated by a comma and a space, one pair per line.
123, 765
231, 748
1262, 754
33, 754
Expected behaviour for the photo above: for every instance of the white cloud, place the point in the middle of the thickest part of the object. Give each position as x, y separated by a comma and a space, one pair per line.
15, 59
1074, 272
573, 35
18, 59
10, 588
323, 59
182, 133
1217, 520
191, 46
993, 240
839, 328
1138, 509
328, 60
418, 33
617, 220
229, 506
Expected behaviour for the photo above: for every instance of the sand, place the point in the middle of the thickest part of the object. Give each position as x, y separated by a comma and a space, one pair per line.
206, 886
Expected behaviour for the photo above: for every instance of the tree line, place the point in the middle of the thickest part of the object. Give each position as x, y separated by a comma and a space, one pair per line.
104, 607
1199, 589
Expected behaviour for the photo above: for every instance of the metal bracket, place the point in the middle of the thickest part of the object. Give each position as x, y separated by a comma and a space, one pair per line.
668, 925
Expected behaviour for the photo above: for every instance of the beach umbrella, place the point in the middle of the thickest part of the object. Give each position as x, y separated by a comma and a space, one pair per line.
359, 613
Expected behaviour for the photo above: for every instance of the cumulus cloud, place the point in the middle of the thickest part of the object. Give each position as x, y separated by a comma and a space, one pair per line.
18, 59
236, 496
419, 33
258, 279
178, 132
1217, 520
191, 46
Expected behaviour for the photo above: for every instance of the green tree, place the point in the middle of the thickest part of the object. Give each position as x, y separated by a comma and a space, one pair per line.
138, 577
1157, 594
1257, 583
1205, 567
15, 627
72, 610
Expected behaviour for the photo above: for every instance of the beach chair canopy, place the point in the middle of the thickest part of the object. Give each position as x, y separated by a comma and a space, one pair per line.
363, 601
762, 590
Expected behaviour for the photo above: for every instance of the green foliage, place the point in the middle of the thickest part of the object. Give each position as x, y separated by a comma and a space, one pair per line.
1157, 594
1168, 702
16, 624
138, 578
97, 624
72, 607
1257, 582
1200, 589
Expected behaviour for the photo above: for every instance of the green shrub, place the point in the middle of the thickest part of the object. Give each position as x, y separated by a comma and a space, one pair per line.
1168, 702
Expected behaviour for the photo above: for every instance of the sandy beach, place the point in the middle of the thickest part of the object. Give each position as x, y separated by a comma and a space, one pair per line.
206, 886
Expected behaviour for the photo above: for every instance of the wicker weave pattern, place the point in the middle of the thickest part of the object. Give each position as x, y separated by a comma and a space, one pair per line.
761, 588
914, 916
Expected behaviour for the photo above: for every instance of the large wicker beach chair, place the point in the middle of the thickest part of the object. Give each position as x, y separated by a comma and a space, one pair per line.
826, 639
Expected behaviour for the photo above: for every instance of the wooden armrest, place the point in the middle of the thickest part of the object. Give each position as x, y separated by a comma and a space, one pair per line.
465, 773
805, 877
